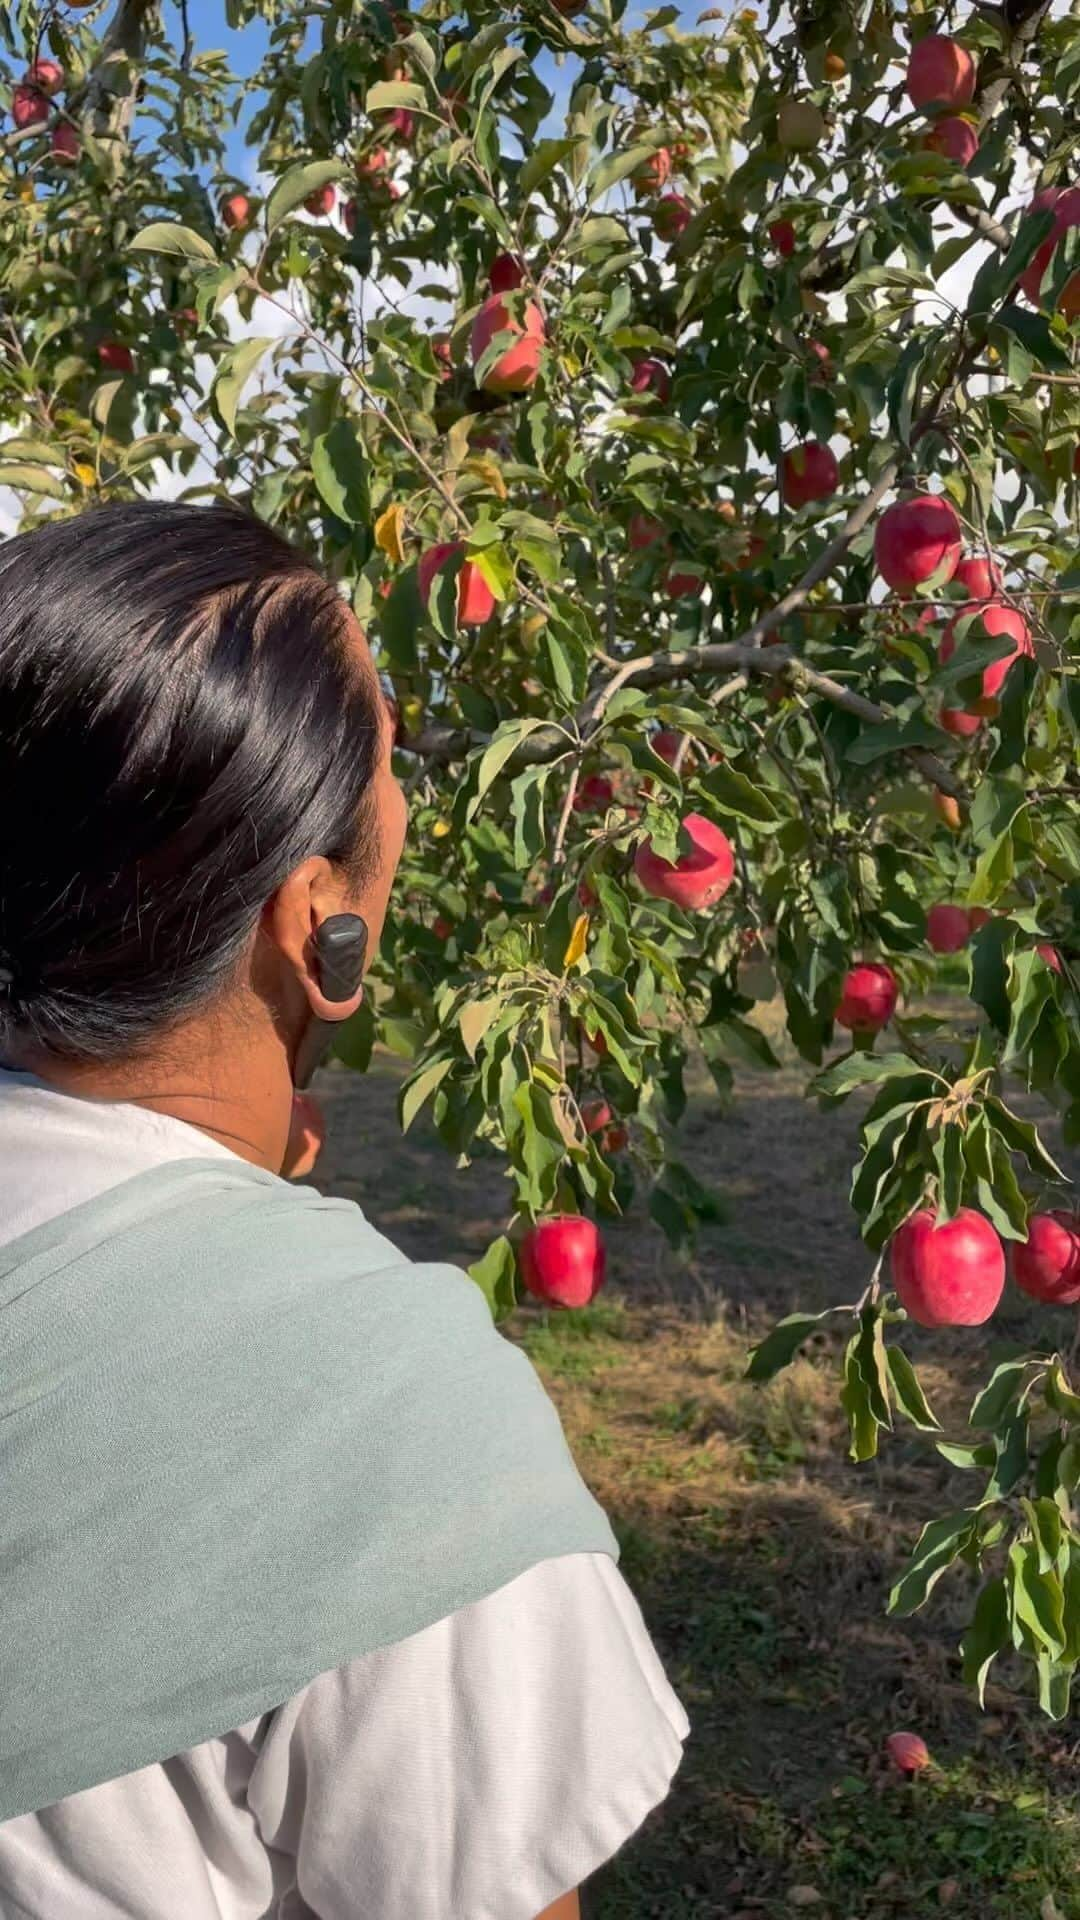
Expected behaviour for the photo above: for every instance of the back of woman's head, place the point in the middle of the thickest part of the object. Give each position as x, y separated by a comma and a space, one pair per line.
182, 722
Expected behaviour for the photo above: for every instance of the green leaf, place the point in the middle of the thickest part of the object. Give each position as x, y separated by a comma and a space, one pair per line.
1011, 1464
940, 1543
161, 236
419, 1088
778, 1349
857, 1398
234, 371
1055, 1687
732, 793
25, 478
494, 1273
867, 1070
295, 186
354, 1038
339, 469
502, 746
387, 94
474, 1020
542, 162
1021, 1136
615, 167
1059, 1396
908, 1393
1045, 1521
1038, 1603
1003, 1387
986, 1636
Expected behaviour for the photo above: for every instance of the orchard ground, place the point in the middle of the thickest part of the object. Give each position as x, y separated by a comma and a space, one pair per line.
760, 1555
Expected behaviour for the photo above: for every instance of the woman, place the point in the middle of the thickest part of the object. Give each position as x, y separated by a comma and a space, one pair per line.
304, 1608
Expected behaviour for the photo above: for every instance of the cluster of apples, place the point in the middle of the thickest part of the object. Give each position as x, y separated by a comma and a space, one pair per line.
31, 106
952, 1273
941, 83
672, 212
919, 539
949, 929
515, 370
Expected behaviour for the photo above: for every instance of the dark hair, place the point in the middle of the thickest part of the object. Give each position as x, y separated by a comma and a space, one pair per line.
181, 723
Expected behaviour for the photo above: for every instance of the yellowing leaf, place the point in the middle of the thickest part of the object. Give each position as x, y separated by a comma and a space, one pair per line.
578, 940
389, 528
489, 471
475, 1019
84, 473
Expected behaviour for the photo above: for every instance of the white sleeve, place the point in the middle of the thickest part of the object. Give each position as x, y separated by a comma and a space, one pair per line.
480, 1768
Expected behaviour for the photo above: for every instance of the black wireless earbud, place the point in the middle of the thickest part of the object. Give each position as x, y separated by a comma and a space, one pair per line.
341, 945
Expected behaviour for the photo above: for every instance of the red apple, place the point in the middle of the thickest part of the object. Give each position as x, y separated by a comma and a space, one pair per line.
959, 722
348, 216
824, 358
598, 1044
562, 1260
517, 368
401, 122
782, 235
374, 166
672, 215
653, 172
948, 809
697, 879
184, 318
666, 743
45, 74
613, 1139
950, 1275
440, 347
116, 357
977, 916
441, 927
322, 201
507, 272
596, 1115
683, 583
1047, 1264
64, 142
587, 898
947, 928
594, 793
915, 539
941, 73
981, 577
1066, 205
955, 138
643, 531
810, 473
908, 1752
476, 602
235, 210
29, 107
998, 621
1050, 955
651, 376
868, 997
307, 1135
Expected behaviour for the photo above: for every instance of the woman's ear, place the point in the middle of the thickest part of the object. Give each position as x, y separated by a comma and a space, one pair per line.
290, 920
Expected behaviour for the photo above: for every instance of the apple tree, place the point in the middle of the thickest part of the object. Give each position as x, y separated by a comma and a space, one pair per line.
689, 413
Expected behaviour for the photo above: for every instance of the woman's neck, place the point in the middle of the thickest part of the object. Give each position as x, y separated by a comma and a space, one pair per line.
238, 1095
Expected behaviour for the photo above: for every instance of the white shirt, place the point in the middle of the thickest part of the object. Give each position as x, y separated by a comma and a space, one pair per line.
476, 1771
